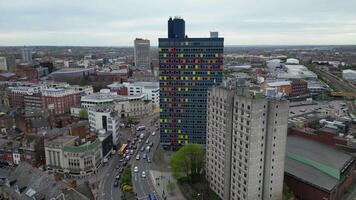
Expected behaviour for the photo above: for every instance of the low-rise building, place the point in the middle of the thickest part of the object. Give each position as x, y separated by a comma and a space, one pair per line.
317, 171
66, 154
349, 74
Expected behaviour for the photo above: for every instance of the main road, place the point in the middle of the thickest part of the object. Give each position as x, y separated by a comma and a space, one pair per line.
109, 192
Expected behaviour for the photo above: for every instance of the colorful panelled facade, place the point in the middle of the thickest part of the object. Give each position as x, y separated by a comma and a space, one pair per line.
188, 67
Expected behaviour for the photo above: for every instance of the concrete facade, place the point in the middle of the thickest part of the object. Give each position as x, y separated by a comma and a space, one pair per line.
246, 137
142, 53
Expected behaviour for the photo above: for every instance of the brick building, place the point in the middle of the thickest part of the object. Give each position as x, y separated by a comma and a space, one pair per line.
298, 87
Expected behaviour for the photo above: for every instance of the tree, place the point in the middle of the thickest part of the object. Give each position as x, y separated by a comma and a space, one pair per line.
287, 193
83, 114
188, 161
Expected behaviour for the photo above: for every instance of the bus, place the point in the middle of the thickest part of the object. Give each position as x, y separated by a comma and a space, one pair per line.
152, 196
122, 149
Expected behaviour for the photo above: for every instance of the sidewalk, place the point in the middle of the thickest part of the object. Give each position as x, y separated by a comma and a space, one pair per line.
160, 181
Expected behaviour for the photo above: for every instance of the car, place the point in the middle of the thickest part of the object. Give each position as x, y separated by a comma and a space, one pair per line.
122, 159
127, 158
121, 170
139, 141
135, 147
131, 152
144, 156
117, 177
149, 160
129, 147
142, 149
143, 174
148, 148
136, 169
151, 144
117, 167
147, 141
124, 164
138, 157
153, 133
116, 183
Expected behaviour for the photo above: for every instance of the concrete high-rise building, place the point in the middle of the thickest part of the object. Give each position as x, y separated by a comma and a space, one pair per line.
3, 65
26, 55
187, 68
246, 138
10, 61
142, 53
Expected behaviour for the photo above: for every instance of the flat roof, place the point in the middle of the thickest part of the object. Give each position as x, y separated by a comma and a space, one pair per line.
317, 152
309, 174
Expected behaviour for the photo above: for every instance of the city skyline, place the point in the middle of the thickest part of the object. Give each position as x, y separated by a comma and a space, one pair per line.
117, 24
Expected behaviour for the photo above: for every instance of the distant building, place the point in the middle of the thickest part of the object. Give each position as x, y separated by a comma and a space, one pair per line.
296, 71
349, 75
3, 64
149, 89
142, 53
317, 171
107, 118
10, 61
245, 147
71, 73
187, 68
26, 55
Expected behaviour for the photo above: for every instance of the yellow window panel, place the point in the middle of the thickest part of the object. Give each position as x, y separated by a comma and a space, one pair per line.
216, 55
186, 89
186, 142
186, 136
179, 131
186, 43
161, 110
159, 49
186, 100
178, 141
161, 120
164, 55
201, 55
208, 72
193, 78
193, 72
165, 130
186, 66
160, 77
179, 66
186, 78
179, 89
165, 77
196, 66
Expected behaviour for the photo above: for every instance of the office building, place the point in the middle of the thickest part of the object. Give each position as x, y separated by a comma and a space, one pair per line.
246, 138
26, 55
3, 64
187, 68
107, 118
142, 53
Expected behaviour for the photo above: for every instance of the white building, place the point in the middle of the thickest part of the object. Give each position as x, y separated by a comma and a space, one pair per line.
349, 74
107, 118
245, 148
66, 154
296, 72
3, 64
142, 53
149, 89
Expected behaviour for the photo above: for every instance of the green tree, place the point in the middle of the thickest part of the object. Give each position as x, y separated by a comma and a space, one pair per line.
83, 114
188, 161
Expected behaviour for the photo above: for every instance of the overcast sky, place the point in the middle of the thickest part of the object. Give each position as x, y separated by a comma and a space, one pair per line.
118, 22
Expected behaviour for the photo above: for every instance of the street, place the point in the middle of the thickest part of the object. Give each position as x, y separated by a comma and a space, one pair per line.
140, 185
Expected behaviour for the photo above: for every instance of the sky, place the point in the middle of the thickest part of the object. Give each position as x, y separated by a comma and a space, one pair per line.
119, 22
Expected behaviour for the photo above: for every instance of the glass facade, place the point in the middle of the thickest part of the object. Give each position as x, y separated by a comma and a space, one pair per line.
187, 68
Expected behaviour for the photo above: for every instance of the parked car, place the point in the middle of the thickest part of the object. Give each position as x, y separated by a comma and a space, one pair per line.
121, 170
153, 133
147, 141
144, 156
131, 152
124, 164
142, 149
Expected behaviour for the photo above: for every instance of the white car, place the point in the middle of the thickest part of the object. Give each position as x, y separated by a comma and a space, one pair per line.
143, 174
153, 133
138, 157
136, 169
147, 141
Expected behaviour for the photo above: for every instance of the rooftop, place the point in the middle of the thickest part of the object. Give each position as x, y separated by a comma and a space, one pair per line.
82, 148
71, 70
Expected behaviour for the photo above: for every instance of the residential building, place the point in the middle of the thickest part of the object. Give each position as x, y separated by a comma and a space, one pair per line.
3, 64
107, 118
26, 55
59, 99
142, 53
188, 67
245, 147
317, 171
